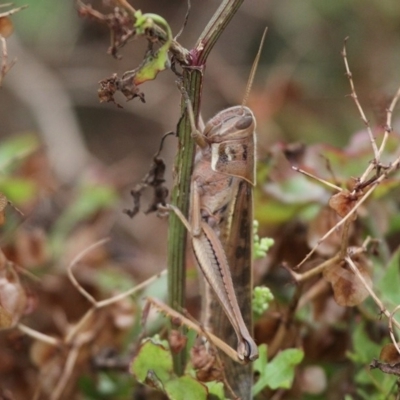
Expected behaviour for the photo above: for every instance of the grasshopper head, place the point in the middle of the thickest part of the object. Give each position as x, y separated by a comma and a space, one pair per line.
231, 134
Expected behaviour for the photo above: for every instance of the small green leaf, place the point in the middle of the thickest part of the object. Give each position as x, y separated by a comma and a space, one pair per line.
154, 357
153, 366
278, 373
155, 61
364, 349
185, 388
216, 389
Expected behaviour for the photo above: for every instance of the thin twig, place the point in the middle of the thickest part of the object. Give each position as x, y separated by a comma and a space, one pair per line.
394, 166
358, 105
175, 315
132, 291
327, 183
388, 127
73, 280
96, 305
38, 336
376, 299
11, 12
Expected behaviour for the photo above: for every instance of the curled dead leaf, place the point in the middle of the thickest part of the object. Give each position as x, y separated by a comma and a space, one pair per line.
347, 288
343, 202
177, 341
205, 364
389, 354
113, 84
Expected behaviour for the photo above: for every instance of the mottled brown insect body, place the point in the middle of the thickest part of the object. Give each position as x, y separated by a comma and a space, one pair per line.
222, 183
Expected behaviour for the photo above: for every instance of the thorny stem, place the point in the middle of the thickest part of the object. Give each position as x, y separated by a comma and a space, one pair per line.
192, 82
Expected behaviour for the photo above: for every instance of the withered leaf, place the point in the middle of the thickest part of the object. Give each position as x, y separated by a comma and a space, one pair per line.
343, 202
389, 354
347, 288
177, 341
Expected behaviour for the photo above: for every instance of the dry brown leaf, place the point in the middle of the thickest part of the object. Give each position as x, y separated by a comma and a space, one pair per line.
205, 364
177, 341
343, 202
347, 288
389, 354
325, 220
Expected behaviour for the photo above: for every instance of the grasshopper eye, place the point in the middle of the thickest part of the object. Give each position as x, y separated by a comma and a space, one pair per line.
244, 122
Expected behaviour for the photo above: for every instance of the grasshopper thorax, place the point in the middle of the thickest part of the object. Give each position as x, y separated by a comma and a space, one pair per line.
231, 134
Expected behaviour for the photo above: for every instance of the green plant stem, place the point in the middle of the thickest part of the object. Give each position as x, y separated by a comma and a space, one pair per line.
192, 81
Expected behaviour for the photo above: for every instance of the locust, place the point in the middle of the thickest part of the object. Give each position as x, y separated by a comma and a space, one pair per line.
220, 226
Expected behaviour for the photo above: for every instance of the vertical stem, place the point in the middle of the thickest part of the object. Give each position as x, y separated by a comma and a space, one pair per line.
192, 81
180, 198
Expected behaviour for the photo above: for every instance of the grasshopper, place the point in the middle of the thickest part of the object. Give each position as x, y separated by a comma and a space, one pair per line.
224, 170
220, 228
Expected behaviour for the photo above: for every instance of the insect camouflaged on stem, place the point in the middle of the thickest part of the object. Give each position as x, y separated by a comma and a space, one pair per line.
220, 227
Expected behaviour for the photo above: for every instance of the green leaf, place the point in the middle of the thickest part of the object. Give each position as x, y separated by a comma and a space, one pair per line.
18, 190
153, 365
216, 389
185, 388
155, 61
364, 348
389, 285
278, 373
155, 357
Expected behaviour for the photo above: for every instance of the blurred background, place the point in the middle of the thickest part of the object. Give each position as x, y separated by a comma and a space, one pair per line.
299, 95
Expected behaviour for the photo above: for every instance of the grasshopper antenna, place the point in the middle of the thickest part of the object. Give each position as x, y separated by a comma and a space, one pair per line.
254, 69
